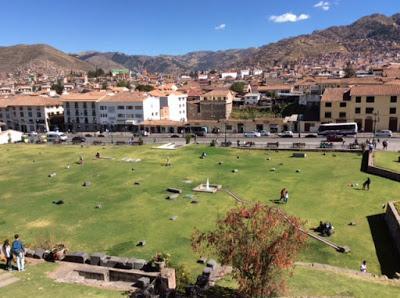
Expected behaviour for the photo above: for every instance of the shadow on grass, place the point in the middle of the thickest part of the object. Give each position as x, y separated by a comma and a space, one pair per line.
277, 201
121, 248
223, 292
386, 252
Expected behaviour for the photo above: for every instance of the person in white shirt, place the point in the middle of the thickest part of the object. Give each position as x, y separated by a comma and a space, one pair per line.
7, 253
363, 267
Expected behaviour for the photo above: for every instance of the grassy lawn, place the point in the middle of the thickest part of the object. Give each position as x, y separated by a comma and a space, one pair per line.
387, 160
131, 212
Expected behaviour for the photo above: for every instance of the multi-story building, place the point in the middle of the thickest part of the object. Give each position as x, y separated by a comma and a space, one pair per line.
118, 111
173, 105
80, 110
373, 107
31, 113
213, 105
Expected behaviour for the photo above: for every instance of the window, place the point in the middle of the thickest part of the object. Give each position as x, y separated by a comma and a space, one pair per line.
342, 104
76, 105
67, 104
392, 110
138, 108
328, 114
121, 108
342, 115
93, 106
21, 114
129, 107
358, 110
370, 98
393, 98
93, 112
121, 115
358, 99
103, 108
30, 114
328, 104
369, 110
84, 105
86, 120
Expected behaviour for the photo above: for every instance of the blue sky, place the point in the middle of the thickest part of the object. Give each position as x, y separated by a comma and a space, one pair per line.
173, 26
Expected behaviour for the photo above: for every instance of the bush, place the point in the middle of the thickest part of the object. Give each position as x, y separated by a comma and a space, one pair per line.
188, 137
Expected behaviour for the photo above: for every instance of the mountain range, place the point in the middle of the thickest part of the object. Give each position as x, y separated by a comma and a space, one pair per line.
369, 36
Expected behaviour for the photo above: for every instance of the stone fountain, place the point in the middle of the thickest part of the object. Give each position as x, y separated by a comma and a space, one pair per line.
207, 187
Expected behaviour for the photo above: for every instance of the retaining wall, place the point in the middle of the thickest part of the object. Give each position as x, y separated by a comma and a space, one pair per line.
369, 167
392, 219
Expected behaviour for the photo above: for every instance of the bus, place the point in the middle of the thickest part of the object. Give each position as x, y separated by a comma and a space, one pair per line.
342, 129
200, 131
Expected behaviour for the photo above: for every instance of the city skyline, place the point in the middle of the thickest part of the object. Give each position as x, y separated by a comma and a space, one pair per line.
174, 27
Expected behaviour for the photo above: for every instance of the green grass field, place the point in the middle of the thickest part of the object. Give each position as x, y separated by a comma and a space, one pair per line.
387, 160
321, 191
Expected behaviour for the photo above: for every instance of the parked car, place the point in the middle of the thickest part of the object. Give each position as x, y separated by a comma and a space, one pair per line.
78, 140
252, 134
265, 133
383, 133
100, 135
175, 136
55, 136
334, 138
311, 135
286, 134
88, 135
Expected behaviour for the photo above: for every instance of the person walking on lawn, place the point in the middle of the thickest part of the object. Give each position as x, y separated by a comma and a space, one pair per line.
7, 253
18, 251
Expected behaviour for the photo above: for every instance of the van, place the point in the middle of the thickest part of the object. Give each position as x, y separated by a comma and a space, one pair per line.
54, 136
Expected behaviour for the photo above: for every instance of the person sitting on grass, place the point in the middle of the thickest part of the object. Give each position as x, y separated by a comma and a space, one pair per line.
366, 184
98, 155
363, 267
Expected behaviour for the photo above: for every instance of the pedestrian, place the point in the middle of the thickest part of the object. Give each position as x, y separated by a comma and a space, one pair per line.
282, 198
366, 184
18, 251
385, 145
363, 267
286, 199
7, 253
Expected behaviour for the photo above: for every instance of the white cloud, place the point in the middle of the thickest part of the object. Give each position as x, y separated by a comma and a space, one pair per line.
220, 27
324, 5
289, 17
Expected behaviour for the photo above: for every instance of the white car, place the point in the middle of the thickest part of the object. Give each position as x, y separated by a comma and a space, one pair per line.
286, 134
265, 133
252, 134
383, 134
52, 136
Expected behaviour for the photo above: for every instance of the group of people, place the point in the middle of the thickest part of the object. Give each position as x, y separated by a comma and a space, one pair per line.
15, 249
284, 195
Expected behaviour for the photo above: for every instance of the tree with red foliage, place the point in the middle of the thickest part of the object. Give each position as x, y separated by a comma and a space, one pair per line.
259, 242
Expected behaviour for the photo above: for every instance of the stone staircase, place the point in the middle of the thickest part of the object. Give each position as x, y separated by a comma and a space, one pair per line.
7, 278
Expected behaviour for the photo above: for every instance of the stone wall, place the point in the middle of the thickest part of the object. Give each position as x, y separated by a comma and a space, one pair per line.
369, 167
392, 219
207, 110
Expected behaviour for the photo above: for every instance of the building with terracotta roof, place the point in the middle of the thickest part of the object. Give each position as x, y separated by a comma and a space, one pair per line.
80, 110
127, 109
372, 107
31, 113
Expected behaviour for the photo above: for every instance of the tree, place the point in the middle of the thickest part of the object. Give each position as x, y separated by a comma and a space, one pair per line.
124, 84
349, 71
238, 87
58, 87
259, 242
96, 73
144, 88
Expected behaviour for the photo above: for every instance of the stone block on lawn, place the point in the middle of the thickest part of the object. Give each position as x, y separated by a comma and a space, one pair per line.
76, 257
38, 254
29, 252
129, 264
86, 184
299, 155
96, 257
174, 190
51, 175
138, 264
116, 262
202, 260
172, 196
141, 243
173, 218
142, 282
212, 263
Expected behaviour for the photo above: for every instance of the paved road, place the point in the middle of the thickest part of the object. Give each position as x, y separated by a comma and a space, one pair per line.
394, 142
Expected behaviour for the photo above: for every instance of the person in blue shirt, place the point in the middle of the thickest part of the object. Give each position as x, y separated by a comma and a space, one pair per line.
18, 250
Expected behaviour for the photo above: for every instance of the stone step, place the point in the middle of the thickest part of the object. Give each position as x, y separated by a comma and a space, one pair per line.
7, 279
